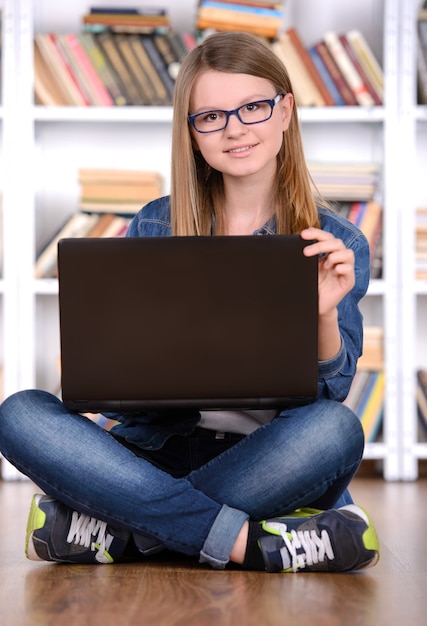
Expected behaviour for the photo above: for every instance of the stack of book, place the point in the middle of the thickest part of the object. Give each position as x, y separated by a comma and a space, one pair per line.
422, 53
340, 69
119, 59
79, 224
422, 396
260, 17
117, 191
421, 244
345, 181
108, 201
368, 216
351, 188
366, 396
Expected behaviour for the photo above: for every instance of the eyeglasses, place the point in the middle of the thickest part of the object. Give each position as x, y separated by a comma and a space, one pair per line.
250, 113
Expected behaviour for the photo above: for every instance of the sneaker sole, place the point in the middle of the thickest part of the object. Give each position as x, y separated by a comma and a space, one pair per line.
36, 520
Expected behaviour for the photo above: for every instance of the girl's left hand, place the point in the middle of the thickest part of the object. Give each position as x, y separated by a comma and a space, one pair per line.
336, 267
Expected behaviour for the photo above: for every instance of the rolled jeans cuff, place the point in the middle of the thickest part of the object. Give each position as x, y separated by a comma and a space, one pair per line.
222, 537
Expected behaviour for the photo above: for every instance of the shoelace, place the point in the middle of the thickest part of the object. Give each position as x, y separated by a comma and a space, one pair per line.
313, 549
82, 532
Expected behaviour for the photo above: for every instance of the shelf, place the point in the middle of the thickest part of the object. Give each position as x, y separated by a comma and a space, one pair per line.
342, 114
335, 115
421, 287
129, 114
421, 113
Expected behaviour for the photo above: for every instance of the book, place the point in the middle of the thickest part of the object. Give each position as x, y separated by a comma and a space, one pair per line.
127, 20
60, 69
358, 64
117, 191
260, 20
86, 74
160, 95
47, 90
357, 386
335, 73
371, 406
78, 225
305, 90
421, 395
368, 60
353, 78
345, 181
170, 55
138, 73
103, 68
159, 64
328, 99
326, 77
373, 349
107, 42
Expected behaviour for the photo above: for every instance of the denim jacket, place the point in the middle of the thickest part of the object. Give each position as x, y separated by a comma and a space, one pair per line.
149, 430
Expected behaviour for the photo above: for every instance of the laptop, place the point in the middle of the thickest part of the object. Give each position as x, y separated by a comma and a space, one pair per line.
199, 322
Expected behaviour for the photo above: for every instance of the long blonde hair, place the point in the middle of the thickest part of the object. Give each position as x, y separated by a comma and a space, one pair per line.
197, 190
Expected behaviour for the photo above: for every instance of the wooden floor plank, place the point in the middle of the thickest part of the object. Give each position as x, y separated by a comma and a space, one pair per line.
180, 593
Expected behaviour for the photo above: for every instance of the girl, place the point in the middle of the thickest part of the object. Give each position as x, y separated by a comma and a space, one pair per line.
262, 489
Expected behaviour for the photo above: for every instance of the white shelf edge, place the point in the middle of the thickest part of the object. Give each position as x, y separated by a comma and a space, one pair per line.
421, 113
45, 286
376, 450
421, 287
130, 114
377, 287
343, 114
163, 114
420, 450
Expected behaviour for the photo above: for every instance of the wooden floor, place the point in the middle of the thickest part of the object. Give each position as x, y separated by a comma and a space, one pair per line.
183, 594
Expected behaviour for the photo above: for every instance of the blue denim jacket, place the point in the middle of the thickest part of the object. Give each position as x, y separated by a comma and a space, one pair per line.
335, 375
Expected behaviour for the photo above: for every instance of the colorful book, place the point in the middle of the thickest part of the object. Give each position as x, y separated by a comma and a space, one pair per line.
421, 394
328, 99
103, 68
326, 77
353, 78
335, 73
85, 71
360, 69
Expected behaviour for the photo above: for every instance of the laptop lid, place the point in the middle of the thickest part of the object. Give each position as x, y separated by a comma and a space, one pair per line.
206, 322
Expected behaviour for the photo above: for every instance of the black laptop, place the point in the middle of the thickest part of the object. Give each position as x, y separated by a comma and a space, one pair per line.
175, 322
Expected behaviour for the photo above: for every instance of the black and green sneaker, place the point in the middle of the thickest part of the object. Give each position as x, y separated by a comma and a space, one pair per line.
57, 533
309, 540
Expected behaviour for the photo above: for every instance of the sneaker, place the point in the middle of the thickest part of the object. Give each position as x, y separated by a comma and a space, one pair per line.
57, 533
309, 540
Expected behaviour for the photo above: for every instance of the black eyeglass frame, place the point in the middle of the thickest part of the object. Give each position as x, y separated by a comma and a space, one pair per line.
272, 102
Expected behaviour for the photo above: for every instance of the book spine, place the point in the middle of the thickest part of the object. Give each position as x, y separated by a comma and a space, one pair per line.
60, 70
102, 67
359, 68
326, 77
108, 45
347, 68
158, 63
311, 67
335, 73
102, 96
370, 63
160, 93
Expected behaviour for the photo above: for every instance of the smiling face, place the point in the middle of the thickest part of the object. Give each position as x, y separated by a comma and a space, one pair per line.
239, 150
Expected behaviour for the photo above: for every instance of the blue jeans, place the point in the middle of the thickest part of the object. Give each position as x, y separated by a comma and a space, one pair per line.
307, 456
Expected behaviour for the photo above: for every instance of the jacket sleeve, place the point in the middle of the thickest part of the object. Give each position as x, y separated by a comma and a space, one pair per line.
336, 374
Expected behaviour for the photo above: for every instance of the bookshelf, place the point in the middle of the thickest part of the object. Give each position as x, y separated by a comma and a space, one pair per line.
413, 314
45, 146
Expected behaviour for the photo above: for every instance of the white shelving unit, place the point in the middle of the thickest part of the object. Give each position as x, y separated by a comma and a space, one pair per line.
413, 313
46, 145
